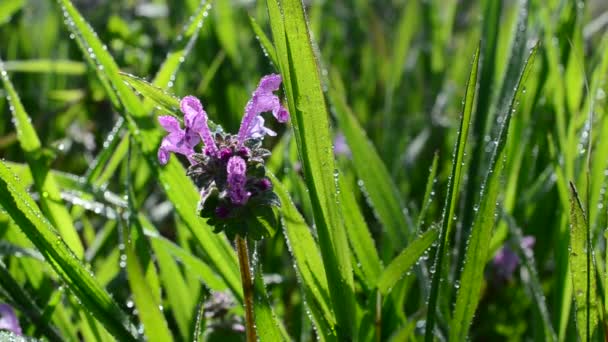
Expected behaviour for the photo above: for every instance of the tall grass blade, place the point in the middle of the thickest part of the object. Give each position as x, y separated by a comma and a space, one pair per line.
24, 211
476, 254
44, 181
449, 209
582, 270
310, 119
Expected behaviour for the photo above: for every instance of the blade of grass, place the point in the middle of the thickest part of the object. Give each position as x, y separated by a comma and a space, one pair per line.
178, 187
405, 260
582, 269
383, 195
476, 253
44, 181
46, 66
311, 125
451, 198
24, 211
307, 262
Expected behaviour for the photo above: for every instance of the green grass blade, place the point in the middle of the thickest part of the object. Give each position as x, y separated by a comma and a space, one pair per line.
10, 289
359, 237
266, 324
24, 211
45, 183
428, 192
8, 8
451, 197
310, 120
582, 270
265, 42
46, 66
179, 188
307, 261
405, 260
153, 320
383, 194
476, 254
153, 93
182, 47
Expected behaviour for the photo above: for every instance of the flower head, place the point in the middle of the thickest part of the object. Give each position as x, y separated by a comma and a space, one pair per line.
230, 170
8, 319
506, 260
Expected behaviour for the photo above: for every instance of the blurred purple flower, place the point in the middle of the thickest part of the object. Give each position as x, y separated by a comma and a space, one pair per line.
506, 260
340, 145
8, 319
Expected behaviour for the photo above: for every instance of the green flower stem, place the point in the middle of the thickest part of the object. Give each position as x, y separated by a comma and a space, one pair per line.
243, 254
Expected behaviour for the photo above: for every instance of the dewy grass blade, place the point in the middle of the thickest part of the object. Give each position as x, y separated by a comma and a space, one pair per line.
46, 66
428, 193
24, 211
45, 183
483, 223
406, 259
179, 188
307, 261
161, 98
265, 42
582, 270
451, 198
370, 168
310, 119
359, 237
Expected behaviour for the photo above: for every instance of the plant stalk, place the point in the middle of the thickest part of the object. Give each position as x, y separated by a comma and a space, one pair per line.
243, 254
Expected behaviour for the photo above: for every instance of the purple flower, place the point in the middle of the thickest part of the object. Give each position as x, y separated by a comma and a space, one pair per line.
262, 100
506, 260
340, 145
237, 179
183, 141
8, 319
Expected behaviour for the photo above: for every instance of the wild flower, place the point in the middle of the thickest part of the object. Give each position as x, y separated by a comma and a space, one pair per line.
230, 169
8, 319
506, 260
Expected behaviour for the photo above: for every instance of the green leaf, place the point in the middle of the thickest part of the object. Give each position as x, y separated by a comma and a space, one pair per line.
45, 184
265, 42
405, 260
24, 211
307, 261
582, 270
153, 93
310, 120
8, 8
451, 197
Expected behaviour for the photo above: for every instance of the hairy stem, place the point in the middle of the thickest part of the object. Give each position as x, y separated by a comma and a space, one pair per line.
243, 254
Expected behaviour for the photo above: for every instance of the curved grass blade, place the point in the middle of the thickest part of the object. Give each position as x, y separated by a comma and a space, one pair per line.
265, 42
44, 181
383, 194
266, 323
179, 188
24, 211
307, 261
582, 270
180, 49
153, 93
10, 289
361, 241
451, 197
310, 120
428, 192
46, 66
8, 8
476, 254
406, 259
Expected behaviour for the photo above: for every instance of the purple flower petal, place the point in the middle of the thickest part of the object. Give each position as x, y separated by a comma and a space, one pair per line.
237, 179
258, 130
506, 262
262, 100
8, 319
195, 119
340, 145
169, 123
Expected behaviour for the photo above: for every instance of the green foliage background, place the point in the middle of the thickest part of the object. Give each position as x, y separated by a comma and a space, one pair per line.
470, 125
